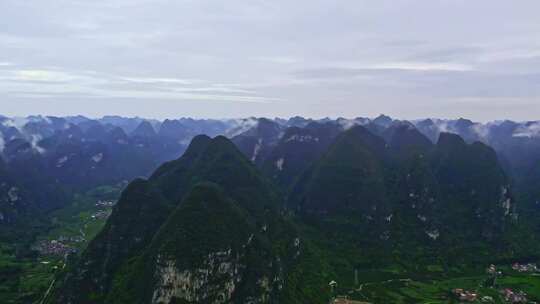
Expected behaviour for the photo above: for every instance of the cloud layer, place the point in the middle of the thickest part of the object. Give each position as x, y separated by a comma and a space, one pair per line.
410, 59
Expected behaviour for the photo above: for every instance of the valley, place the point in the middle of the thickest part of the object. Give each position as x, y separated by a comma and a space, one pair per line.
28, 269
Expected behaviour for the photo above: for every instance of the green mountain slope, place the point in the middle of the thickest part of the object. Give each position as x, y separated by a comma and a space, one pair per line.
151, 215
348, 177
210, 250
296, 151
406, 192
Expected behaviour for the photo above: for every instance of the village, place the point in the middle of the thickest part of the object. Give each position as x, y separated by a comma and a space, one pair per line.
346, 300
101, 215
66, 244
507, 294
54, 248
101, 203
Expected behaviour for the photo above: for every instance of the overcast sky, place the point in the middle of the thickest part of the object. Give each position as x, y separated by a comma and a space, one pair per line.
154, 58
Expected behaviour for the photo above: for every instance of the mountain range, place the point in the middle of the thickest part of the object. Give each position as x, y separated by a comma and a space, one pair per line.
264, 210
263, 214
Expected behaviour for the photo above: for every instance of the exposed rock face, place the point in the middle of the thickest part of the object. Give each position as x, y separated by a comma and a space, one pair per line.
279, 164
212, 282
13, 194
257, 141
302, 138
97, 158
256, 149
433, 234
220, 277
506, 201
231, 265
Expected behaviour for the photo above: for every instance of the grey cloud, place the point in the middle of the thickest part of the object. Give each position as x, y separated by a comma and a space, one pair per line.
384, 69
61, 83
238, 58
449, 54
323, 73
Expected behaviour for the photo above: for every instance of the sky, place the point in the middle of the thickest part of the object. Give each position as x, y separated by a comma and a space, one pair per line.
227, 59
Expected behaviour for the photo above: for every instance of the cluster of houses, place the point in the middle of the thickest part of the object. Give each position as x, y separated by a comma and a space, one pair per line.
470, 296
345, 300
101, 215
72, 239
66, 244
101, 203
465, 295
104, 213
53, 247
530, 267
511, 296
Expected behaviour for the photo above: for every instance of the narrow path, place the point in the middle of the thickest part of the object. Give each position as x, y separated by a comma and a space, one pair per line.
359, 289
82, 233
53, 281
48, 291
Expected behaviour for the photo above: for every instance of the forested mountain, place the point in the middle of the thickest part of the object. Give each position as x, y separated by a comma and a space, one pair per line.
211, 227
296, 150
203, 228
